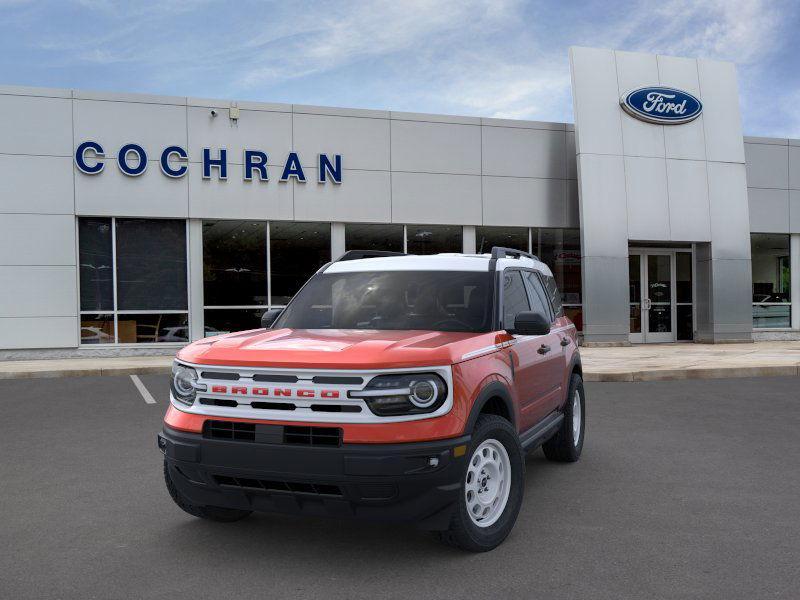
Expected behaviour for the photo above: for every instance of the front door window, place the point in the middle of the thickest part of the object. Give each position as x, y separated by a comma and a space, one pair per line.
660, 295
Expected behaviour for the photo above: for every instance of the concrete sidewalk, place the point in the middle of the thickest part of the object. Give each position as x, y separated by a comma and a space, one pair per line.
634, 363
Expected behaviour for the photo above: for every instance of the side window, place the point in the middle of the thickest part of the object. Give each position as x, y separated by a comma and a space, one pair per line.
515, 299
539, 301
555, 296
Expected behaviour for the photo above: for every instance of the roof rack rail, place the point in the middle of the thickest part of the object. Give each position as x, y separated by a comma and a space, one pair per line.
359, 254
501, 252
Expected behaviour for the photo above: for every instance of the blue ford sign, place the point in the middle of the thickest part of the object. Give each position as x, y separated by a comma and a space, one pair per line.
663, 105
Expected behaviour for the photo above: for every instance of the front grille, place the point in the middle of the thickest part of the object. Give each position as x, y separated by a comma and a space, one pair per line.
231, 430
318, 489
265, 433
312, 436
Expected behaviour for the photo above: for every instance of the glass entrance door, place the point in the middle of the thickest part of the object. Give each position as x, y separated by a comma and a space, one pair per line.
660, 295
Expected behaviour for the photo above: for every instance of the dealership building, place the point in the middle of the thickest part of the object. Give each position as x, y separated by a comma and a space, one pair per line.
131, 224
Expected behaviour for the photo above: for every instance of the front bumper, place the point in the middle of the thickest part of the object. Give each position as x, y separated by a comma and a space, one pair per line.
412, 482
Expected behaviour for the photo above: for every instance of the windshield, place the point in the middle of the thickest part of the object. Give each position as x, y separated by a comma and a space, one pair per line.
432, 300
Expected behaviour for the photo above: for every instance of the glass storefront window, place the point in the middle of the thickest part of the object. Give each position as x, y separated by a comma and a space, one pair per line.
235, 263
433, 239
151, 264
371, 236
560, 249
133, 291
96, 264
507, 237
297, 250
226, 320
771, 280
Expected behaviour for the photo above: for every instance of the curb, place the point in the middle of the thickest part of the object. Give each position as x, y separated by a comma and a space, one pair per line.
103, 371
692, 373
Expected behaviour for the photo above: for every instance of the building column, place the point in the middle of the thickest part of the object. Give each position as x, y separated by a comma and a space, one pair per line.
469, 239
794, 270
196, 300
337, 240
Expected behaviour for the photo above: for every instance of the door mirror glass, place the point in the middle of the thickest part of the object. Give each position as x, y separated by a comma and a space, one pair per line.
531, 323
268, 318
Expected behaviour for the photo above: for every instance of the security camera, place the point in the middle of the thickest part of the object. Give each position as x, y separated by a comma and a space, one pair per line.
213, 113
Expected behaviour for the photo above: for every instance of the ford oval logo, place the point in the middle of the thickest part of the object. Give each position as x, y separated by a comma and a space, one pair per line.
663, 105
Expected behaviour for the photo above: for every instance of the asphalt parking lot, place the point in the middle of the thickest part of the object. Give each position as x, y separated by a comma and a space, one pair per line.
685, 490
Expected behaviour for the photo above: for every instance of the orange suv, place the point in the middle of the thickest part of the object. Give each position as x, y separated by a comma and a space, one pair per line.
395, 387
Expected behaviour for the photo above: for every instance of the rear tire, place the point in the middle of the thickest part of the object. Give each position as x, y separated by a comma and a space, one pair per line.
566, 445
491, 490
212, 513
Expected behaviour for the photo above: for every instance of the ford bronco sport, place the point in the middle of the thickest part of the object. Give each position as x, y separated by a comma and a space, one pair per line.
395, 387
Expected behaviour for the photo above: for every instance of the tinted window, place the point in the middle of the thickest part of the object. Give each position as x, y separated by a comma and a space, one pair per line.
539, 302
96, 265
151, 264
396, 300
560, 249
515, 298
373, 237
433, 239
297, 250
507, 237
553, 294
235, 263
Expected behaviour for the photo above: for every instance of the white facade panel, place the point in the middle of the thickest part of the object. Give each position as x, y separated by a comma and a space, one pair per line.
434, 198
602, 200
794, 167
35, 125
269, 132
436, 147
519, 152
27, 239
636, 70
648, 205
687, 184
365, 199
794, 211
730, 227
363, 143
722, 120
237, 199
686, 141
528, 202
38, 332
38, 291
767, 166
114, 124
769, 210
36, 184
114, 194
594, 82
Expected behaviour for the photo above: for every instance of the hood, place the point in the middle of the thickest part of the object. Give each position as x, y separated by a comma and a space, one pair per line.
335, 348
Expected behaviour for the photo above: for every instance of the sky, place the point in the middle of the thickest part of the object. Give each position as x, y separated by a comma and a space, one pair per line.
496, 58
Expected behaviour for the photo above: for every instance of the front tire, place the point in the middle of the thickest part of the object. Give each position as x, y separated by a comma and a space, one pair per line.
212, 513
566, 445
491, 490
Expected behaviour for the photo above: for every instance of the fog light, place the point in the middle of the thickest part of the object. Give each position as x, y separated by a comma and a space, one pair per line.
433, 461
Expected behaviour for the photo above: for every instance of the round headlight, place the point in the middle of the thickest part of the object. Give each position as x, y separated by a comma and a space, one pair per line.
423, 393
184, 383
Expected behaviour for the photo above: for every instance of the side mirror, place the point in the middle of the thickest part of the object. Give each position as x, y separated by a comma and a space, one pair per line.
531, 323
269, 316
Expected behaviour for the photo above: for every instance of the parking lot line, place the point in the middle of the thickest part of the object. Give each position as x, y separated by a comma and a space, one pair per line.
148, 397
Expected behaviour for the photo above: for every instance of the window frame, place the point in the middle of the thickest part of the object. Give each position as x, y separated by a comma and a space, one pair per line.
115, 312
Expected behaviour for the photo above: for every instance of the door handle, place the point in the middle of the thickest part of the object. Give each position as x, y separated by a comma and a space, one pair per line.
543, 349
565, 341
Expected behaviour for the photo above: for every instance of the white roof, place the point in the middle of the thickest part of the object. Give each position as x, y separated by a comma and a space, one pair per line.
433, 262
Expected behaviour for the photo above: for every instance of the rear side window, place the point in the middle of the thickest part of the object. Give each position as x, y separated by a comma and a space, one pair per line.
554, 295
515, 298
539, 301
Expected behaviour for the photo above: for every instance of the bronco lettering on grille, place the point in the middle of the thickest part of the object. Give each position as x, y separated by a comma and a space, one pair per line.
276, 392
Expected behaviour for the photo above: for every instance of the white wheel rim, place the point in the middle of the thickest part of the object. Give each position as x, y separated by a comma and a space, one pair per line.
577, 415
488, 483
